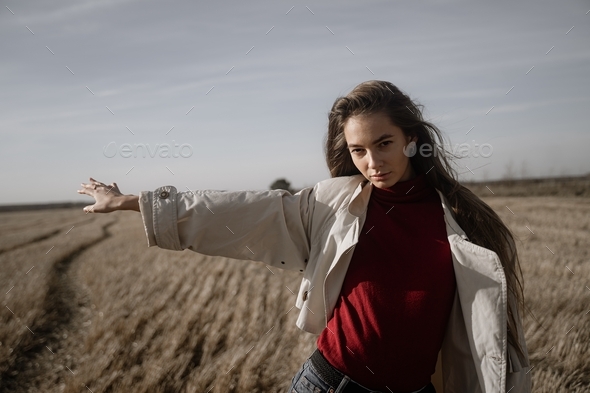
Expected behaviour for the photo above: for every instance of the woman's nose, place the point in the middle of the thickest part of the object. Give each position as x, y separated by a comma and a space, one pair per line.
374, 160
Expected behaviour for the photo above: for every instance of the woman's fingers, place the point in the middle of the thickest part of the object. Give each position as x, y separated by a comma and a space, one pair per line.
97, 183
84, 188
94, 186
91, 189
113, 186
88, 187
105, 196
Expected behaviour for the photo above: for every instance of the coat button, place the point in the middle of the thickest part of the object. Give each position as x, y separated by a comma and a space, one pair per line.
305, 296
164, 194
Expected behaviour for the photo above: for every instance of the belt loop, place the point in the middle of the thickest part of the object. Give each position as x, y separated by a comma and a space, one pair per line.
343, 384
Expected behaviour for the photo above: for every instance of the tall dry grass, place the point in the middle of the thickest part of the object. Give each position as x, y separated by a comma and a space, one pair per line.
110, 315
555, 255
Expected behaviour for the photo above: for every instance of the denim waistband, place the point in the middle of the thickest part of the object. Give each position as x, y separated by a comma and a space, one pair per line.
334, 377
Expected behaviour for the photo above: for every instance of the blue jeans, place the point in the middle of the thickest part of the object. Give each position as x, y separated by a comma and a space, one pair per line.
307, 380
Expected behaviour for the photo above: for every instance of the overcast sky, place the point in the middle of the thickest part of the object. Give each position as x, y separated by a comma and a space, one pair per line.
243, 88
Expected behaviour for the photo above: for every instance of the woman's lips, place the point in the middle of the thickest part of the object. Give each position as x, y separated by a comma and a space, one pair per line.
381, 176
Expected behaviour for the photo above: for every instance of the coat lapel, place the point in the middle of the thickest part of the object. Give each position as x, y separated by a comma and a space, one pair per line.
481, 289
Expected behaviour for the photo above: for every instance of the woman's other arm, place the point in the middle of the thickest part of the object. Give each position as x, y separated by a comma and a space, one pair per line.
271, 226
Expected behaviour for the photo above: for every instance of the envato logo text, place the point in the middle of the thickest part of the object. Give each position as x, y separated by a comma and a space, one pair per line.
164, 150
462, 150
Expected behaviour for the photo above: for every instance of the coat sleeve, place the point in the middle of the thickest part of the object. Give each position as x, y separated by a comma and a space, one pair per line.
270, 226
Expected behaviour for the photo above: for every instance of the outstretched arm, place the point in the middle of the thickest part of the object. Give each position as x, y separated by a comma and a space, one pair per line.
108, 198
272, 226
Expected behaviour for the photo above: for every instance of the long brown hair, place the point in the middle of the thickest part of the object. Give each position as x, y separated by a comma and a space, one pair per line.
481, 224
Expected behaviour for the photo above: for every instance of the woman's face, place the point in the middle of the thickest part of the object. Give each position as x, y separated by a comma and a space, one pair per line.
377, 149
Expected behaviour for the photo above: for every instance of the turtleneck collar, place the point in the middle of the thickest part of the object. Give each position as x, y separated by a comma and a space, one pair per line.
405, 191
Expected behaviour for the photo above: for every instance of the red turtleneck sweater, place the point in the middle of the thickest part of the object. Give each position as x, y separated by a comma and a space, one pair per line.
389, 322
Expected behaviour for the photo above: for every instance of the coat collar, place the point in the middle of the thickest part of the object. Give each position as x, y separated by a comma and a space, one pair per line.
360, 197
362, 193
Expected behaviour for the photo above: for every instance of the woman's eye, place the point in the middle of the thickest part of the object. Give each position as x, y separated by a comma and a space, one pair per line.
385, 143
355, 150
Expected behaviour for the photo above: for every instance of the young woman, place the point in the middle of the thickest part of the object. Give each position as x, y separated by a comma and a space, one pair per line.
400, 262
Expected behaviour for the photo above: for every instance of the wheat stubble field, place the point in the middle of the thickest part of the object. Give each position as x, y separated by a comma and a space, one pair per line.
87, 306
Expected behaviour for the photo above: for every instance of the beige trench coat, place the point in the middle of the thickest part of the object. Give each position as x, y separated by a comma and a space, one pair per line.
314, 232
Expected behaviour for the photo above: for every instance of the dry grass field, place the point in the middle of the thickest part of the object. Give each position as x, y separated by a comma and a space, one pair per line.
87, 306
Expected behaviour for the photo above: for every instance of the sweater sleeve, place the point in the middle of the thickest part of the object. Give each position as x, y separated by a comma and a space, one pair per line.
270, 226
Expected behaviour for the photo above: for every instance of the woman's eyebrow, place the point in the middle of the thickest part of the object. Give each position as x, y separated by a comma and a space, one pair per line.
382, 137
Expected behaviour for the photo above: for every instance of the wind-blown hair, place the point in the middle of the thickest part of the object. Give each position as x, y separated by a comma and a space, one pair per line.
481, 224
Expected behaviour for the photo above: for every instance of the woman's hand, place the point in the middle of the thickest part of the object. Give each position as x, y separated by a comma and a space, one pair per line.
107, 198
